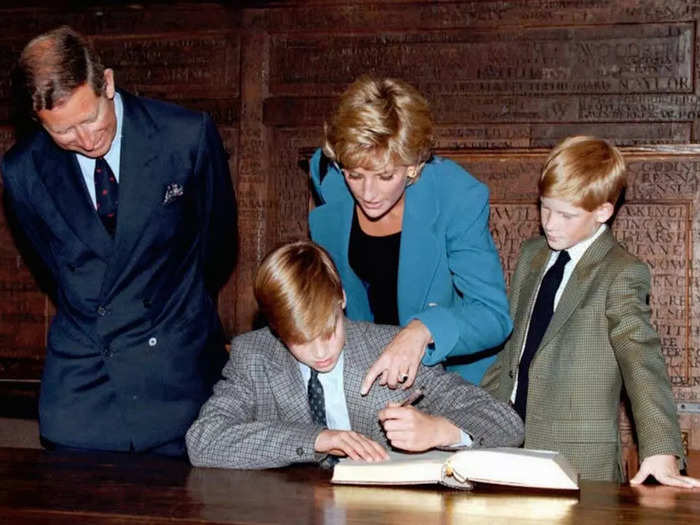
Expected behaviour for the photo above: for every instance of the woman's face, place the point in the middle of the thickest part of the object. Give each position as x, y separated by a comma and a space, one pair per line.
378, 191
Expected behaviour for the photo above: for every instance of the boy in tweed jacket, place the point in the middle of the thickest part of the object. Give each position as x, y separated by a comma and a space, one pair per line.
260, 415
599, 337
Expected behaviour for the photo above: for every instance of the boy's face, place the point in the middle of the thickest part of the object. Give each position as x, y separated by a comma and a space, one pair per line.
565, 225
321, 354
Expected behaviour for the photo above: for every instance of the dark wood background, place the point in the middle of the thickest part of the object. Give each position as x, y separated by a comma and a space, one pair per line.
507, 80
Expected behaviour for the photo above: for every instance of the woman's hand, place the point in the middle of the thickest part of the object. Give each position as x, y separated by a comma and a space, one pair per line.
398, 364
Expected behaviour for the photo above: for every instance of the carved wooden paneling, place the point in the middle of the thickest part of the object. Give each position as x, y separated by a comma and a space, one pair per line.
506, 81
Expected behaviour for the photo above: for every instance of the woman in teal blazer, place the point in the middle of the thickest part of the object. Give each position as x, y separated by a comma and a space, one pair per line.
376, 172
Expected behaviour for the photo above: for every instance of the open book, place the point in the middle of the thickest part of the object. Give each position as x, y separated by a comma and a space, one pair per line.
543, 469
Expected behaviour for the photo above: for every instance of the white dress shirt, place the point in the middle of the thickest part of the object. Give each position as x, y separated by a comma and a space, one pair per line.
87, 165
575, 254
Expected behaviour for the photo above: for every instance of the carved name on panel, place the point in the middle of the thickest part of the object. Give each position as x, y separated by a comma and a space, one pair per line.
642, 58
195, 65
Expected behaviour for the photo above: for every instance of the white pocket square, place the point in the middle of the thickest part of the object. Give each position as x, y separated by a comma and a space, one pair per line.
172, 192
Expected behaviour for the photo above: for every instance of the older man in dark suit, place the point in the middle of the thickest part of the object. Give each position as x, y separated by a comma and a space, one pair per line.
129, 203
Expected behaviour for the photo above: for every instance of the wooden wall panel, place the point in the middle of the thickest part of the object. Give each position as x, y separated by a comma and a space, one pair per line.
506, 80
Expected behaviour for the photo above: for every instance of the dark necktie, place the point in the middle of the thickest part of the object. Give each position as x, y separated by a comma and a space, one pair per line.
317, 404
106, 195
539, 321
316, 401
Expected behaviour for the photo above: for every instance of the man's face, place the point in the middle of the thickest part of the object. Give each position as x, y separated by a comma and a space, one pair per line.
321, 354
84, 122
565, 225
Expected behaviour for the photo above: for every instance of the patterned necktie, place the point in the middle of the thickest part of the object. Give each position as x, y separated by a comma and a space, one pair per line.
106, 195
316, 400
539, 321
317, 404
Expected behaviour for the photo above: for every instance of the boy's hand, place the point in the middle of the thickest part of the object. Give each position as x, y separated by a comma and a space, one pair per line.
664, 467
410, 429
351, 444
398, 364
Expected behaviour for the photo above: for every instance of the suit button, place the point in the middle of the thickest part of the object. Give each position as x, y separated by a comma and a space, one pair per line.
152, 341
146, 303
101, 311
300, 451
107, 351
71, 267
510, 374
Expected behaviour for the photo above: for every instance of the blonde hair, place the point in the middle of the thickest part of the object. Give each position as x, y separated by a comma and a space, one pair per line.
586, 171
299, 291
377, 122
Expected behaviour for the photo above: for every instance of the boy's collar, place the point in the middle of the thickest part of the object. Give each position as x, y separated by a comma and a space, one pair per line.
577, 250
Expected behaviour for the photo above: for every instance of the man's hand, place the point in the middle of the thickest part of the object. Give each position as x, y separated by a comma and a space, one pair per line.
351, 444
664, 467
410, 429
399, 361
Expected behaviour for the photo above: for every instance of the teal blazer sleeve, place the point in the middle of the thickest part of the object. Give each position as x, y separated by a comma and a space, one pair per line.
449, 276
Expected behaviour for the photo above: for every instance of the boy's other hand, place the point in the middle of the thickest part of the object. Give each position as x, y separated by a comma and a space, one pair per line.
411, 429
664, 467
351, 444
398, 364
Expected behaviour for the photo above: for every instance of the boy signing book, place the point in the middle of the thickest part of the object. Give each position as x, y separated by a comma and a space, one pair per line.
582, 330
291, 392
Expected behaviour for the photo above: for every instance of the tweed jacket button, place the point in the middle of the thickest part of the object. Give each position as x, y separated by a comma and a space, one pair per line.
481, 442
510, 374
300, 451
152, 341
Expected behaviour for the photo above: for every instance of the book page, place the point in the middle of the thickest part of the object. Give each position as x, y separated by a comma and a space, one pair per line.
401, 468
515, 466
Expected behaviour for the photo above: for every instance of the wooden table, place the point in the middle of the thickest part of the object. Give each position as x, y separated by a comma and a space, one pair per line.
68, 488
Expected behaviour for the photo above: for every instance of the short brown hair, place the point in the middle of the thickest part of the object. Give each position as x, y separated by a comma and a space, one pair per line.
378, 121
298, 289
55, 63
586, 171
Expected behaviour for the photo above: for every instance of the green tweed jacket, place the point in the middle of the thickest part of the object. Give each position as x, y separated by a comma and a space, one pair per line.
599, 340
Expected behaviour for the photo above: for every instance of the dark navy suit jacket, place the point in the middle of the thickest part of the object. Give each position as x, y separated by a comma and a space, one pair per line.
136, 343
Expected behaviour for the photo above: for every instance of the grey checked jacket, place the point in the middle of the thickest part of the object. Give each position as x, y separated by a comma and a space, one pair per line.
258, 416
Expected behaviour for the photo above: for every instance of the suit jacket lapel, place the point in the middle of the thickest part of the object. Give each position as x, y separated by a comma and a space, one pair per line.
140, 186
287, 385
64, 182
416, 272
353, 373
578, 284
333, 232
526, 300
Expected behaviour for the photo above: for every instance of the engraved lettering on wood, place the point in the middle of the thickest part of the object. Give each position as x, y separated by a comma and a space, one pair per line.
665, 178
620, 134
484, 13
638, 108
643, 58
186, 63
660, 234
